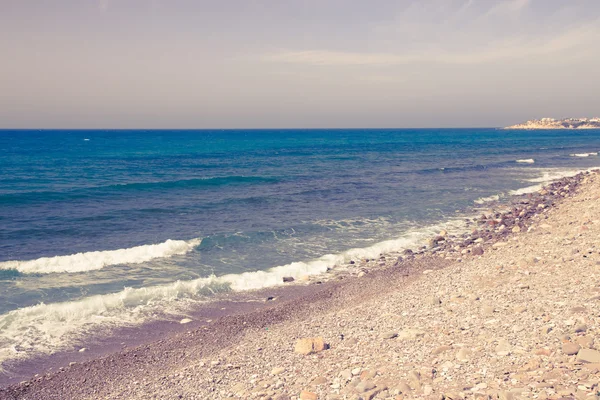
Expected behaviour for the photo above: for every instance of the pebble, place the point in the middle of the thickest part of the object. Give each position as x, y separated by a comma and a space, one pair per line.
570, 348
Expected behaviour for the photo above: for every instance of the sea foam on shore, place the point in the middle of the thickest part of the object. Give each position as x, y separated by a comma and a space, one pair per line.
93, 260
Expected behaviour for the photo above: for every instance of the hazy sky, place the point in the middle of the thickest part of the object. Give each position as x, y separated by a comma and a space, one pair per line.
296, 63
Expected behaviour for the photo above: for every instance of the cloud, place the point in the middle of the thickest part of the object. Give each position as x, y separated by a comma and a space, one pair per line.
509, 7
103, 5
517, 47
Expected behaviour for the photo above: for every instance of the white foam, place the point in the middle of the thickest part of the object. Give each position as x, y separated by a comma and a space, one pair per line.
47, 328
526, 161
483, 200
526, 190
94, 260
583, 154
548, 175
553, 174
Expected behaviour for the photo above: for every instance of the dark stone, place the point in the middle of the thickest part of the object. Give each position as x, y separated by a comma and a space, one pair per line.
288, 279
477, 251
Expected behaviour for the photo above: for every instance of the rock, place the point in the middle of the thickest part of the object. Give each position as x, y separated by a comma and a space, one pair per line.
441, 349
516, 229
488, 310
310, 345
306, 395
277, 371
434, 301
581, 328
520, 309
585, 341
403, 388
477, 251
588, 356
410, 334
570, 348
499, 245
543, 352
365, 386
83, 349
503, 347
321, 380
185, 321
288, 279
463, 355
389, 335
544, 330
346, 374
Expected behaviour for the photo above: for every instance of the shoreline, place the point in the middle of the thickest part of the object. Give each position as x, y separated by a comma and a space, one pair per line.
366, 279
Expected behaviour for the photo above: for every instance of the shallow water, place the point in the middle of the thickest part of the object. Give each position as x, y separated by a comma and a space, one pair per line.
105, 228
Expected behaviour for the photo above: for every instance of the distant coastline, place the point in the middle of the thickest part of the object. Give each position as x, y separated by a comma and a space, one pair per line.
565, 123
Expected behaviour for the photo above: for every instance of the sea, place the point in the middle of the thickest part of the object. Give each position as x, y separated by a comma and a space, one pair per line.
101, 229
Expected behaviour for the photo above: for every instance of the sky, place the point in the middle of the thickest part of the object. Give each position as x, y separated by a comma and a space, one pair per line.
296, 63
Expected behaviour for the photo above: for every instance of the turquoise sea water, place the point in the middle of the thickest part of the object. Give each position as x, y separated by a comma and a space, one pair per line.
103, 228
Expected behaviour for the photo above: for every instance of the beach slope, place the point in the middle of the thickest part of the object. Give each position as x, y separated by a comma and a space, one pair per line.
513, 313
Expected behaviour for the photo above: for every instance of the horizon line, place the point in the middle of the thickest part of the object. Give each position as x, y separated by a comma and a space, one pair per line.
243, 129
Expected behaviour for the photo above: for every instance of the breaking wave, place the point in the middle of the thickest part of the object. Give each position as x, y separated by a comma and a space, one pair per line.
47, 328
584, 154
93, 260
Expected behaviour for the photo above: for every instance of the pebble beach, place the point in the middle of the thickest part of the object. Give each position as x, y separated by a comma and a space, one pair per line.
509, 309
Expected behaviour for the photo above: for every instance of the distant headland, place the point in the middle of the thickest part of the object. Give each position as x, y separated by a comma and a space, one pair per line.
565, 123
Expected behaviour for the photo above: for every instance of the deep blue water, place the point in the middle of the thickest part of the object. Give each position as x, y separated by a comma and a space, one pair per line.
242, 200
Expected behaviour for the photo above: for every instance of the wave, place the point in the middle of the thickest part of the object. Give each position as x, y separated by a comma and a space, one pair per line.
526, 190
50, 195
82, 262
47, 328
483, 200
584, 154
548, 175
526, 161
553, 174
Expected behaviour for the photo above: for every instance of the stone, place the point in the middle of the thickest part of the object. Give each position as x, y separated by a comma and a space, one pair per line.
389, 335
310, 345
403, 387
441, 349
570, 348
321, 380
588, 356
477, 251
463, 355
306, 395
410, 334
346, 374
277, 371
503, 347
488, 310
581, 328
498, 245
434, 301
516, 229
185, 321
365, 386
544, 330
543, 352
585, 341
288, 279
